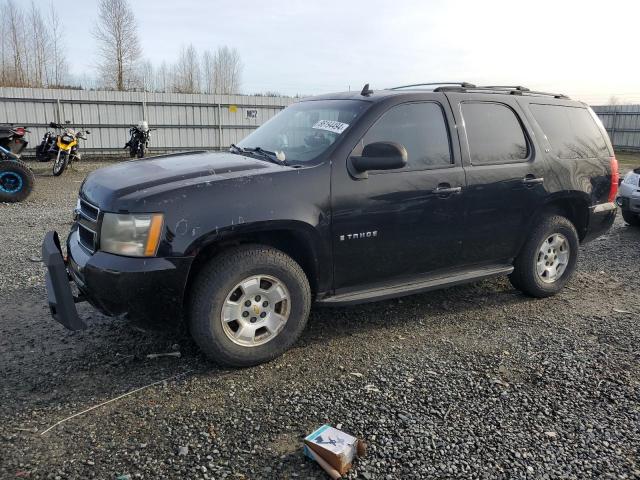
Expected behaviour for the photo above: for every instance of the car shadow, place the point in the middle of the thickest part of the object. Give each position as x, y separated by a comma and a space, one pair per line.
45, 364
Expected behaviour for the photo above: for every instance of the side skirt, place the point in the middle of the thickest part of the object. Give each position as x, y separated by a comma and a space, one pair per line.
415, 285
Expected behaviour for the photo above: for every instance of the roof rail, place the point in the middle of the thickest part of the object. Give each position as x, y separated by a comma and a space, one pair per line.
511, 90
507, 87
461, 84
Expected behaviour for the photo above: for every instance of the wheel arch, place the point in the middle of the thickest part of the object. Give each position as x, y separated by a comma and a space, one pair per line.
572, 205
299, 240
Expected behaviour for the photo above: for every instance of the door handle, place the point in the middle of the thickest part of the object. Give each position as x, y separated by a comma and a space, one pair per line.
446, 190
531, 180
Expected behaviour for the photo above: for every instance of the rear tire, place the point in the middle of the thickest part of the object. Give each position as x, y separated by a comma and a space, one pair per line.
631, 218
41, 154
16, 181
548, 259
233, 290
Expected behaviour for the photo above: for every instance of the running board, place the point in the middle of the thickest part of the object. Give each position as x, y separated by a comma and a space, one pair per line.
413, 287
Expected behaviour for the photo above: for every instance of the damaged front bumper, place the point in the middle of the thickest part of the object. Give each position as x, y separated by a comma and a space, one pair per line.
62, 302
150, 289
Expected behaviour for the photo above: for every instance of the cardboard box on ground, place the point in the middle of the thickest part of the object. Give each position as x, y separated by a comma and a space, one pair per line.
335, 447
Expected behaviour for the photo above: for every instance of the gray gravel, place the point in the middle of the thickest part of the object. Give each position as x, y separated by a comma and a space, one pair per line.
472, 382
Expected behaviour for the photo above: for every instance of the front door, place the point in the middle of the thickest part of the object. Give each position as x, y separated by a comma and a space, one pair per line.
404, 222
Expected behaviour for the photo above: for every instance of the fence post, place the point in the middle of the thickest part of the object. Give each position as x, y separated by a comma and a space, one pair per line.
613, 126
219, 127
58, 112
144, 107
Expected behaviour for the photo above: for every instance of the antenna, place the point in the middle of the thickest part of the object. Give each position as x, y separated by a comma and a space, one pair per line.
366, 91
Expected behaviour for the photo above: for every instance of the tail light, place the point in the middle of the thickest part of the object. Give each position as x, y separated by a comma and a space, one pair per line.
19, 131
615, 177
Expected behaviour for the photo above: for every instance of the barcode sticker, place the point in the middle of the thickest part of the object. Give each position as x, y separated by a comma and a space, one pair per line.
331, 126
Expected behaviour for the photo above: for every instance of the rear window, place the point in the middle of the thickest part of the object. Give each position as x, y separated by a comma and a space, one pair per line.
571, 131
494, 134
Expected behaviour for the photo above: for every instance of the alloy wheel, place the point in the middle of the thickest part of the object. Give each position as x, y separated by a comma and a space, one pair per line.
255, 310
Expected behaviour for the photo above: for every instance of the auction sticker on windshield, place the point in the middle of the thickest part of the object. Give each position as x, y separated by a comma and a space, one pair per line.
331, 126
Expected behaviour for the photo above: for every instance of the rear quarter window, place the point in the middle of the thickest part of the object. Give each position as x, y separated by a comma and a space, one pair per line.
571, 131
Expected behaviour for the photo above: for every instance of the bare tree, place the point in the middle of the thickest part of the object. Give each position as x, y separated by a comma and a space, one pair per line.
39, 40
57, 61
163, 78
147, 76
208, 72
187, 71
3, 52
18, 69
118, 43
227, 70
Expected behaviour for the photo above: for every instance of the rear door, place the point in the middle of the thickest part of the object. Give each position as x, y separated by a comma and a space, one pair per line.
505, 175
396, 223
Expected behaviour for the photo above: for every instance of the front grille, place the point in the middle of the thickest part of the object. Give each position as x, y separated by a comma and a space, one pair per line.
87, 221
87, 237
89, 211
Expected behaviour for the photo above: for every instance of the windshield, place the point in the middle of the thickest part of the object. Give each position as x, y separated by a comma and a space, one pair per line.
305, 130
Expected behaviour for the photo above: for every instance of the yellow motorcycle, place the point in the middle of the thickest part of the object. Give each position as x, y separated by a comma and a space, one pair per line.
64, 147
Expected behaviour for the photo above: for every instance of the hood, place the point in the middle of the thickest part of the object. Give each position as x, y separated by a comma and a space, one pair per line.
139, 178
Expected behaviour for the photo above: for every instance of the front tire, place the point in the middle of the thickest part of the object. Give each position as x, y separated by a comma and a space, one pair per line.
60, 164
631, 218
548, 259
248, 305
16, 181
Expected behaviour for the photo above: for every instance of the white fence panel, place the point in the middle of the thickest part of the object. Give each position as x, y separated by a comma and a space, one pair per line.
182, 121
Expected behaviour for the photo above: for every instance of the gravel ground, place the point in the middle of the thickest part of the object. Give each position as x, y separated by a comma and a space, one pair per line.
476, 381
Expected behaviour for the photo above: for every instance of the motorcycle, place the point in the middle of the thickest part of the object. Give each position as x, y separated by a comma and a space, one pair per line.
16, 178
63, 148
139, 141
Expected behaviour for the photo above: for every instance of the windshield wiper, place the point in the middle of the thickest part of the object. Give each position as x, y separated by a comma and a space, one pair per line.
233, 148
266, 154
257, 151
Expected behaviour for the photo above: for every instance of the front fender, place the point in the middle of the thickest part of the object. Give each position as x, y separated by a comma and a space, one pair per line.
302, 241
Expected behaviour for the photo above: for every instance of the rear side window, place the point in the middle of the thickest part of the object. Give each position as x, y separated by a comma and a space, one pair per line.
494, 133
420, 128
571, 131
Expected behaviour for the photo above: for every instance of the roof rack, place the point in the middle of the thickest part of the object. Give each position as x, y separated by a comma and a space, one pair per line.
511, 90
461, 84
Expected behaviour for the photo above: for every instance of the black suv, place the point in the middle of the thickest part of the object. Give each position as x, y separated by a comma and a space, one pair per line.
340, 199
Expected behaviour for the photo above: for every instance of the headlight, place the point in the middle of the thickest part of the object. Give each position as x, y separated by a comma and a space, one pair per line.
134, 235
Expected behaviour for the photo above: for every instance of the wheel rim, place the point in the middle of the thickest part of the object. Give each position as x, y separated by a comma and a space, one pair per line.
59, 163
10, 182
256, 310
553, 258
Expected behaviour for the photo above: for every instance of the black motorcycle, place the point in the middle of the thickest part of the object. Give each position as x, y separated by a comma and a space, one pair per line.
16, 179
139, 139
45, 150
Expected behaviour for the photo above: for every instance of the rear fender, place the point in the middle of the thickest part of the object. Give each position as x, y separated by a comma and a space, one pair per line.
574, 205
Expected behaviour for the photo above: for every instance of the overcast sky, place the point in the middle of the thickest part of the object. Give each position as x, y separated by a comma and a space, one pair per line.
587, 49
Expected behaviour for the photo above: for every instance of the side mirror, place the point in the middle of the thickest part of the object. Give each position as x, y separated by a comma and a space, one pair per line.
87, 132
378, 156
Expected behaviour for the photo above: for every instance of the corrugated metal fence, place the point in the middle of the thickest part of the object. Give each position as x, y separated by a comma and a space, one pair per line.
183, 121
622, 123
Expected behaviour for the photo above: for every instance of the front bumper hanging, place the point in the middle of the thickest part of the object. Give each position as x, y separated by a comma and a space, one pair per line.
62, 302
